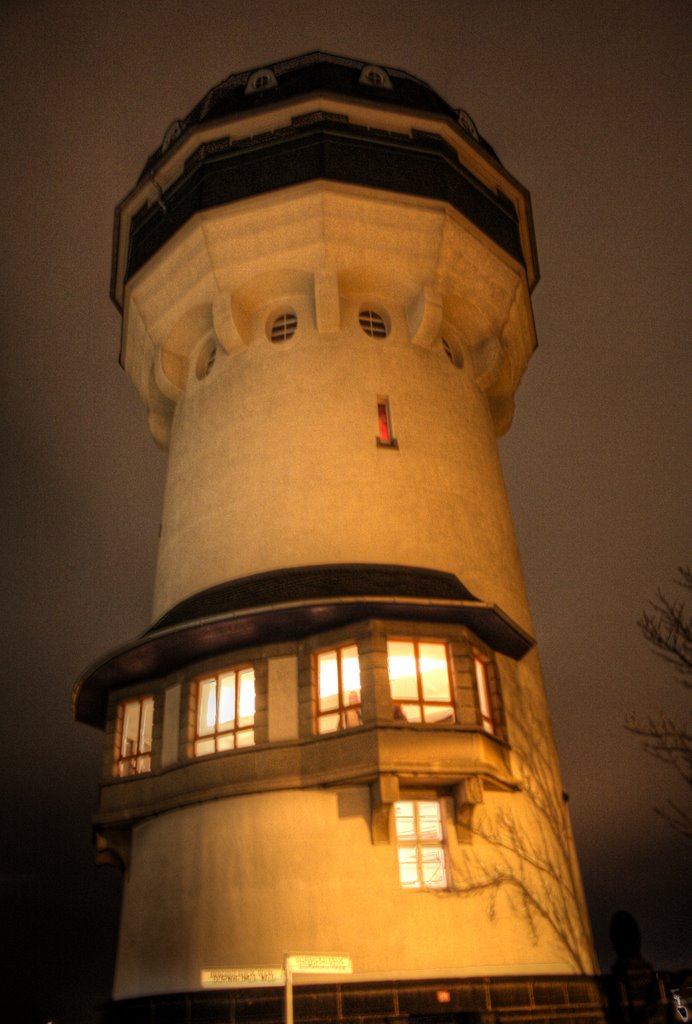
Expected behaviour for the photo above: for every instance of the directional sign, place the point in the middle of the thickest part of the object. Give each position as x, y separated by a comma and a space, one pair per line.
319, 963
242, 977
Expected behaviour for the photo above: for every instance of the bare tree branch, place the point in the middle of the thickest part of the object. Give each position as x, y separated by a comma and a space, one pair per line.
668, 629
528, 855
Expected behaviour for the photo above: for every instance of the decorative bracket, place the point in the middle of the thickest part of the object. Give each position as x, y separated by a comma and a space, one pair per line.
113, 847
467, 795
384, 792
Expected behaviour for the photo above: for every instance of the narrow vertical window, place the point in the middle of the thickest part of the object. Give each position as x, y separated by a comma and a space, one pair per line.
338, 689
225, 711
483, 689
419, 680
385, 435
133, 737
420, 844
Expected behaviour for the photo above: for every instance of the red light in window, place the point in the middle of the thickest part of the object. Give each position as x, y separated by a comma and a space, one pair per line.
443, 996
385, 432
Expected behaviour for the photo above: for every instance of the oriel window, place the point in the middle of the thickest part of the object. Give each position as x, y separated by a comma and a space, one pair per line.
338, 689
484, 698
133, 736
225, 711
420, 681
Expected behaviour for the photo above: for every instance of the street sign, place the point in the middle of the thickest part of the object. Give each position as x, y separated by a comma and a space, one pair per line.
319, 963
242, 977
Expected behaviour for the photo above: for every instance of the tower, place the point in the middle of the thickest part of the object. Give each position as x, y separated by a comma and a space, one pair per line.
334, 736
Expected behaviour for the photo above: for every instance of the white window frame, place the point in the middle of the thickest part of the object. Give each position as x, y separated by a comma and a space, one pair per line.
421, 845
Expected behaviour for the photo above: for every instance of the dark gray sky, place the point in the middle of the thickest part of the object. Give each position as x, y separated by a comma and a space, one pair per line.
587, 103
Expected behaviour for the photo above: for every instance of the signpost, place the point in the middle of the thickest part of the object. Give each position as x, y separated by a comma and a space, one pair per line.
319, 963
242, 977
312, 963
259, 977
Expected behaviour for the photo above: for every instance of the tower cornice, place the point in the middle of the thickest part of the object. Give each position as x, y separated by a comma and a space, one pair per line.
228, 128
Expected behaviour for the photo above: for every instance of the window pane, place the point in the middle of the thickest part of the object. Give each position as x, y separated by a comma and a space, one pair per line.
429, 821
405, 820
225, 741
438, 713
402, 670
205, 747
408, 867
130, 729
206, 711
407, 712
246, 697
483, 694
328, 723
433, 867
350, 674
226, 718
328, 680
145, 729
245, 738
434, 672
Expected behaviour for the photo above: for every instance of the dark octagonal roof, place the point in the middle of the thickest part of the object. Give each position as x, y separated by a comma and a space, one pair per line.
315, 72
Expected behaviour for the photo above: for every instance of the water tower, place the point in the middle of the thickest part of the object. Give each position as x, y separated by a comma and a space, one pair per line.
333, 740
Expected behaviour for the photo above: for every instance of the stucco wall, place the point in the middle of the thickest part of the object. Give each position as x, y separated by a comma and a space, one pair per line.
233, 883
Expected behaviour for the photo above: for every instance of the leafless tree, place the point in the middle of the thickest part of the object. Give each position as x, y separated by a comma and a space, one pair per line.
668, 629
528, 853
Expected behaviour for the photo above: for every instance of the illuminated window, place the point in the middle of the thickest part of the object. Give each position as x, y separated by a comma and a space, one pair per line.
385, 436
133, 736
373, 323
483, 690
420, 844
419, 680
338, 689
283, 327
225, 711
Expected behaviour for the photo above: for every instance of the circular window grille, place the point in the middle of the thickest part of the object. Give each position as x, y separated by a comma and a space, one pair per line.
283, 327
373, 323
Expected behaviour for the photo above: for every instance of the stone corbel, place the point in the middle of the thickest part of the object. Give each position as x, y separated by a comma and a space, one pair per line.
425, 317
467, 795
487, 361
384, 792
225, 325
327, 302
113, 847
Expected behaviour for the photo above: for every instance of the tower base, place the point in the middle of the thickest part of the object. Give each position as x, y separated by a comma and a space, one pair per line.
496, 1000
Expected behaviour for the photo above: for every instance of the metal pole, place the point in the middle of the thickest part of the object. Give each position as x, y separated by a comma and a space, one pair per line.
289, 990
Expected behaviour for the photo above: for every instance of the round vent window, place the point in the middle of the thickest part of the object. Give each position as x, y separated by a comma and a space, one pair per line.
283, 327
373, 323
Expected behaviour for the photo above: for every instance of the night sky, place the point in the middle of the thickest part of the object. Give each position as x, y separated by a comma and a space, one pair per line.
587, 104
